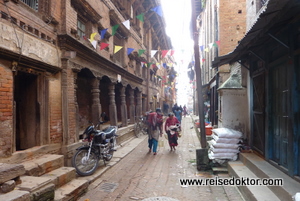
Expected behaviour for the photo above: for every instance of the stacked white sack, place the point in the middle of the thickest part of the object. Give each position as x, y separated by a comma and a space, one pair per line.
224, 144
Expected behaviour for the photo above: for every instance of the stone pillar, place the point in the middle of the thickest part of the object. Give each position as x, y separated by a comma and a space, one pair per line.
138, 103
123, 106
112, 105
96, 105
131, 106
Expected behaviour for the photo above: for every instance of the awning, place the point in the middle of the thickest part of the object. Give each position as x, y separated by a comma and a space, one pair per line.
277, 12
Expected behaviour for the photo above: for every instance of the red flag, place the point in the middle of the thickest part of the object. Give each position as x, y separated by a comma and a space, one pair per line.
172, 52
164, 52
218, 42
103, 45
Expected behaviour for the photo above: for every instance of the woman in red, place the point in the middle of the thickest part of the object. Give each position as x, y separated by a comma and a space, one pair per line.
172, 136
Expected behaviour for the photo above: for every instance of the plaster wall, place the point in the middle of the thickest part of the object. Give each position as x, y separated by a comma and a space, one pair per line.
234, 110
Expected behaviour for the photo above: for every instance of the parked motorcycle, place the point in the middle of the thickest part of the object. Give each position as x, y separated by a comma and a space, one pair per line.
100, 145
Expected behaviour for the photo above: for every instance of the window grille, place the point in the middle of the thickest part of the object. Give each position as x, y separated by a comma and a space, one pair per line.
263, 2
80, 28
34, 4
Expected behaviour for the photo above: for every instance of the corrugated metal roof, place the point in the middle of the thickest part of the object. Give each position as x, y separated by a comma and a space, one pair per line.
277, 13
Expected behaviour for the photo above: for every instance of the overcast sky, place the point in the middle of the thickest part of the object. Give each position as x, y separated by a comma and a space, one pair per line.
177, 16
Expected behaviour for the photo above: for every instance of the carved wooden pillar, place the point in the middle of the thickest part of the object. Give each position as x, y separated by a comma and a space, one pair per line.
138, 103
96, 105
65, 112
75, 73
151, 105
123, 106
112, 105
131, 105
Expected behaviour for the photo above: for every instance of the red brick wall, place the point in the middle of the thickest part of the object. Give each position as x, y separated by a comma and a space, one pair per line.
6, 110
232, 20
71, 107
55, 110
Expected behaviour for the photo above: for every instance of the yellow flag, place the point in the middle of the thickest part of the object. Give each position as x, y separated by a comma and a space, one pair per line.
117, 48
92, 36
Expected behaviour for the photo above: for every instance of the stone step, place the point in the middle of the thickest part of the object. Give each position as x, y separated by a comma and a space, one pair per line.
10, 171
72, 190
16, 195
43, 165
238, 169
125, 133
61, 176
39, 188
218, 170
263, 169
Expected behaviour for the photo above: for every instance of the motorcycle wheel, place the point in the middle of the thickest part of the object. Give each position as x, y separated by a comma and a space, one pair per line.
110, 154
85, 166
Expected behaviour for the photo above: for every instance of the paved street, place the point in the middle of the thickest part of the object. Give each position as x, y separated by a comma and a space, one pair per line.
144, 176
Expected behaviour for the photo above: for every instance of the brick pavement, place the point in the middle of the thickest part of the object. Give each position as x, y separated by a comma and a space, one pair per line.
144, 176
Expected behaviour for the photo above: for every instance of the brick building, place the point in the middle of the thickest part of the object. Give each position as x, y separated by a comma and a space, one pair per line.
56, 76
257, 64
221, 25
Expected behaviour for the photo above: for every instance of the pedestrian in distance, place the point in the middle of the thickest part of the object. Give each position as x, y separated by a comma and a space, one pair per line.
178, 114
184, 111
155, 121
171, 127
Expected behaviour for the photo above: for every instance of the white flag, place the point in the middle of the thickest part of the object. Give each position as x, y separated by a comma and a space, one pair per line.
127, 24
153, 52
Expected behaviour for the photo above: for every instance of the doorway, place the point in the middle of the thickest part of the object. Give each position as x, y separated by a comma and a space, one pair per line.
27, 111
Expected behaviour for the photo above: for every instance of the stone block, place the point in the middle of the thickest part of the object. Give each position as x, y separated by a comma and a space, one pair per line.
7, 186
202, 159
40, 188
16, 195
10, 171
45, 164
61, 176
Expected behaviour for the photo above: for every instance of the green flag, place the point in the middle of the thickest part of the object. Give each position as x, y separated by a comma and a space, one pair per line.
141, 52
140, 17
114, 29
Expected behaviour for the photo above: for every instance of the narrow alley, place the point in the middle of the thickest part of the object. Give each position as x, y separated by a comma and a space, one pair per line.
144, 176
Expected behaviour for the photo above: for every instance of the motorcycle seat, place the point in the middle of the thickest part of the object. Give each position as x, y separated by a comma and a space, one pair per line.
109, 132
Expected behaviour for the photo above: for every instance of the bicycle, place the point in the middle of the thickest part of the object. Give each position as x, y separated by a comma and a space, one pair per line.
140, 126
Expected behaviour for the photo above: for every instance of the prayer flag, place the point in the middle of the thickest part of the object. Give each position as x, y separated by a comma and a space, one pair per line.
158, 10
141, 52
129, 50
126, 24
117, 48
153, 52
114, 29
102, 33
140, 17
103, 45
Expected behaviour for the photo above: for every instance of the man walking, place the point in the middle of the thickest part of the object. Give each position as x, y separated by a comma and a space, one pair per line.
155, 121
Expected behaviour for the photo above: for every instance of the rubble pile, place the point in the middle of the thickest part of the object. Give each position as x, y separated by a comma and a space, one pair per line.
224, 145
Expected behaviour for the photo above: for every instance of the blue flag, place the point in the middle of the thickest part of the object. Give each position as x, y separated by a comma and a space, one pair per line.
129, 50
102, 33
158, 10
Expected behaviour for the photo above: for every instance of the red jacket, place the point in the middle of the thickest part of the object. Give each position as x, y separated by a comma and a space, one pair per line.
170, 122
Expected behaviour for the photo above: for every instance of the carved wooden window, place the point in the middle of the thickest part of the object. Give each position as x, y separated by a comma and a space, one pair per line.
34, 4
42, 6
80, 28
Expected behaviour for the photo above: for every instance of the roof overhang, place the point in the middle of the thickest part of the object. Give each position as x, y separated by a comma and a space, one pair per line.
273, 16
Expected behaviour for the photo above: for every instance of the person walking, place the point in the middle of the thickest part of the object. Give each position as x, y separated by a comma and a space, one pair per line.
184, 111
155, 121
178, 114
172, 122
